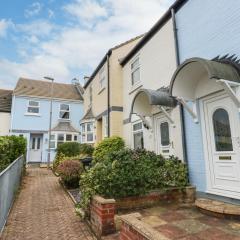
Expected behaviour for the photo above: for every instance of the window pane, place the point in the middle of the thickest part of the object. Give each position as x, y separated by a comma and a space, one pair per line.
222, 131
89, 127
69, 137
60, 137
135, 63
135, 76
33, 103
83, 127
75, 137
164, 131
64, 107
52, 144
52, 137
38, 143
138, 140
137, 126
33, 143
89, 137
33, 110
64, 115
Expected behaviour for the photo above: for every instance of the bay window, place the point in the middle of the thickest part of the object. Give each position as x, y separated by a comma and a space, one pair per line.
87, 132
60, 138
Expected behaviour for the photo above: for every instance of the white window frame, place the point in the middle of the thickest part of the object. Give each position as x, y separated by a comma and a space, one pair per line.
30, 106
55, 141
69, 111
137, 131
85, 133
102, 79
134, 69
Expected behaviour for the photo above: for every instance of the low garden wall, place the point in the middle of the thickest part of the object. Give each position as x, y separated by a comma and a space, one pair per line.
10, 179
102, 211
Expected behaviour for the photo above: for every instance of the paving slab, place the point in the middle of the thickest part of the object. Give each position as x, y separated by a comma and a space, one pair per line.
43, 210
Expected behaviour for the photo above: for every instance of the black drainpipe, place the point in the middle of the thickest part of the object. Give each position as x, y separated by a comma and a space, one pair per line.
108, 94
183, 125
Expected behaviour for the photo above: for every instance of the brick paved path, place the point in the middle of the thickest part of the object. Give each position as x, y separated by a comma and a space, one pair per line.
43, 210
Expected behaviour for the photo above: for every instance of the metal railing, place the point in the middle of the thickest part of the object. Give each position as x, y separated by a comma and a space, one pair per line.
10, 179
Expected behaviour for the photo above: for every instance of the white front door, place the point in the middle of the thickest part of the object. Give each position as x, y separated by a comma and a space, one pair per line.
35, 154
164, 145
221, 118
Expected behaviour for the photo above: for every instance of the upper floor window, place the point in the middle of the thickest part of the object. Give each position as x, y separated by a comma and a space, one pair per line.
87, 132
138, 135
102, 79
33, 107
135, 71
90, 95
64, 111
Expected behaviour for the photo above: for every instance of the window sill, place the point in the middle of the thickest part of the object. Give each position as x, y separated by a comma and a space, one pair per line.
32, 114
64, 120
101, 91
135, 88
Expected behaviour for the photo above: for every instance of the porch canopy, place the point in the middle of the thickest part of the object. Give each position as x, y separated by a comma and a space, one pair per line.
145, 98
198, 77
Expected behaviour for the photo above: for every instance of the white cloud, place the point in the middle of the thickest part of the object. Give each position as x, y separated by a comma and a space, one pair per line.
4, 25
33, 10
86, 10
39, 28
74, 46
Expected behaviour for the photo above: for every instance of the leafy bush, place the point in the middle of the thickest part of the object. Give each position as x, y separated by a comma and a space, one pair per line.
69, 149
69, 171
11, 147
107, 146
60, 157
86, 149
131, 173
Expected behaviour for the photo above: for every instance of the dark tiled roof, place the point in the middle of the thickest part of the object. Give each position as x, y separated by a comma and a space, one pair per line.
64, 127
5, 100
38, 88
88, 115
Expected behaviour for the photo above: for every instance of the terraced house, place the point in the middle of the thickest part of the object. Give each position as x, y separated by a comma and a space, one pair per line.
103, 96
31, 115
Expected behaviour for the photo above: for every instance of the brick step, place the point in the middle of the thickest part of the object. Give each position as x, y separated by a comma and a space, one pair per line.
218, 208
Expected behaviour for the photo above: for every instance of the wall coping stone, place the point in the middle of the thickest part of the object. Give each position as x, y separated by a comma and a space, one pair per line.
102, 200
133, 220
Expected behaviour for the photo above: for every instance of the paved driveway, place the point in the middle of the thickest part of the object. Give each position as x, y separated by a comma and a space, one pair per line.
43, 210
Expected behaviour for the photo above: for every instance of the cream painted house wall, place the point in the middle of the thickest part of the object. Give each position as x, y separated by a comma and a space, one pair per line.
157, 65
5, 119
99, 97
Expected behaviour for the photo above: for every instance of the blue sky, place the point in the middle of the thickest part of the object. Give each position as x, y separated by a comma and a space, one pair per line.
67, 38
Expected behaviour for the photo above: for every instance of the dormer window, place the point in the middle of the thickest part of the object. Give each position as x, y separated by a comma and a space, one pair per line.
33, 107
64, 111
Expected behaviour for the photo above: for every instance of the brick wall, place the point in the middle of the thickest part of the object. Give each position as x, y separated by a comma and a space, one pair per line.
102, 215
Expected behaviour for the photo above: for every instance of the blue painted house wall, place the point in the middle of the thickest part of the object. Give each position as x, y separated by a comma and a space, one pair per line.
22, 123
205, 29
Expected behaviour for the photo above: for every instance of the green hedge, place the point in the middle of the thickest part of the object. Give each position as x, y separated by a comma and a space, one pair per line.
131, 173
11, 147
107, 146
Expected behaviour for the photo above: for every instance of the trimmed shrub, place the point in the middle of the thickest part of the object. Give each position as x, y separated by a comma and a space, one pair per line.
69, 149
70, 171
11, 147
60, 157
131, 173
107, 146
86, 149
